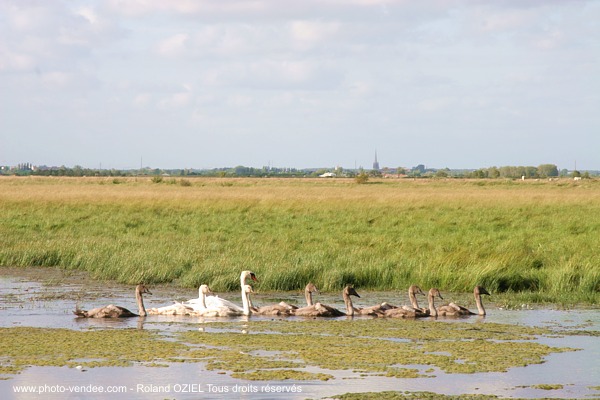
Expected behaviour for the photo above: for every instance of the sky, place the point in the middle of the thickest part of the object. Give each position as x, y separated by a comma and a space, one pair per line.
298, 84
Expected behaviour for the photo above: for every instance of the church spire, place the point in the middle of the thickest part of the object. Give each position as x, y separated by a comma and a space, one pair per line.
376, 163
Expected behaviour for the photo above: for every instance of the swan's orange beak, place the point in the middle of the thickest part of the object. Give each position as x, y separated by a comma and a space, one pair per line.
253, 277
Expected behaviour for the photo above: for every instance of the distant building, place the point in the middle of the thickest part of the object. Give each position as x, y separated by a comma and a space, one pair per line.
376, 163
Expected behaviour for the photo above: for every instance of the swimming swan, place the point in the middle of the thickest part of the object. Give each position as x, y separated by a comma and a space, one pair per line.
112, 311
477, 292
309, 289
216, 303
412, 311
441, 311
281, 308
246, 290
201, 309
323, 310
175, 309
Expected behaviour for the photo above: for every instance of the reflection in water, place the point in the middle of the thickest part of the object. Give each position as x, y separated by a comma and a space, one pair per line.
25, 303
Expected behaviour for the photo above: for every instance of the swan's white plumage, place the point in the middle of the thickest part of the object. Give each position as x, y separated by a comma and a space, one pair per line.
215, 306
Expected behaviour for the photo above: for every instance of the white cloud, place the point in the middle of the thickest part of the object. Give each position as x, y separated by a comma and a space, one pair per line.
307, 34
12, 61
549, 41
240, 100
173, 46
142, 100
175, 101
55, 79
434, 104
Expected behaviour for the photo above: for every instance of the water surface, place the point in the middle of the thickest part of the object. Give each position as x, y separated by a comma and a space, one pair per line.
46, 298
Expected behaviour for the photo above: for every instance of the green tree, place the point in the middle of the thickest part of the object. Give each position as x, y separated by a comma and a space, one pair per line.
441, 173
493, 172
361, 178
547, 170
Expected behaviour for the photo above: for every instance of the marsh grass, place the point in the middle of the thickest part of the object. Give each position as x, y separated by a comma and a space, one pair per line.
536, 240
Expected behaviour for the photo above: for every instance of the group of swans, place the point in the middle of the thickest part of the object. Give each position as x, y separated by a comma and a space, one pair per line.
453, 309
209, 305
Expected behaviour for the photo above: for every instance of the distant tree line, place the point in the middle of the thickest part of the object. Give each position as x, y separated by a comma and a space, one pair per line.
507, 172
541, 171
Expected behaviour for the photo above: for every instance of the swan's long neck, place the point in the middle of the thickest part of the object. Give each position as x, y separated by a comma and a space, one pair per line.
348, 302
413, 299
243, 278
202, 297
140, 302
246, 302
432, 310
308, 297
480, 309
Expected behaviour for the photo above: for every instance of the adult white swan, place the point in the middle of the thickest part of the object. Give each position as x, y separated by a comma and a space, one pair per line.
201, 309
246, 290
174, 309
219, 306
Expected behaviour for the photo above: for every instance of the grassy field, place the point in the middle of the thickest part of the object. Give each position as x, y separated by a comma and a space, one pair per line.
537, 238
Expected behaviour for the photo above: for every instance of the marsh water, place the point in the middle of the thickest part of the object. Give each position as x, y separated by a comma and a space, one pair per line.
46, 298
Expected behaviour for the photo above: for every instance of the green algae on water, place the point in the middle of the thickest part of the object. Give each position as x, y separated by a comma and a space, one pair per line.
281, 374
380, 347
547, 386
283, 349
390, 395
21, 347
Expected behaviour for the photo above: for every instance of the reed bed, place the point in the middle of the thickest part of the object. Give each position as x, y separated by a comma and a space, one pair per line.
533, 237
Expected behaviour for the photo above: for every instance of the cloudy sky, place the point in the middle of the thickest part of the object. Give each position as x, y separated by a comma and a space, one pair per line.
218, 83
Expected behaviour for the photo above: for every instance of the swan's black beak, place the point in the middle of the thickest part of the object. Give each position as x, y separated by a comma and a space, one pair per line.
253, 277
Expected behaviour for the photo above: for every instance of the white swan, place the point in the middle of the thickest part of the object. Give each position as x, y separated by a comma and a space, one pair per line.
214, 305
201, 309
175, 309
246, 290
